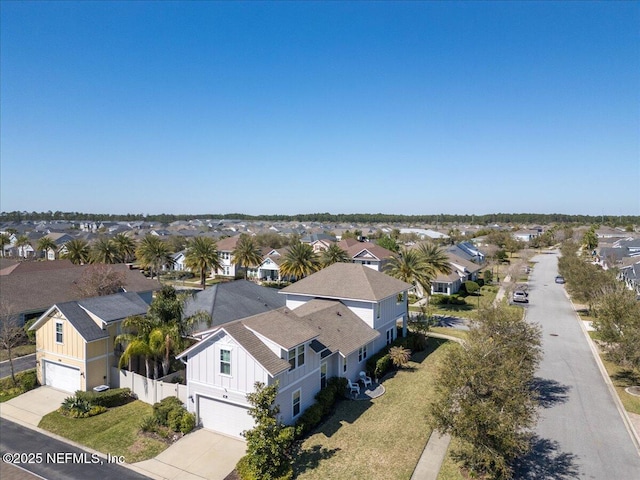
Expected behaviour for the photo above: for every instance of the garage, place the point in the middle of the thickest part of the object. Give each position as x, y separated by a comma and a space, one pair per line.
224, 417
61, 376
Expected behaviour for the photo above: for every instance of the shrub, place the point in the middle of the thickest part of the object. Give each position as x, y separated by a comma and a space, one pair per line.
382, 366
174, 418
187, 422
161, 409
310, 418
169, 415
148, 424
416, 341
339, 384
109, 398
76, 407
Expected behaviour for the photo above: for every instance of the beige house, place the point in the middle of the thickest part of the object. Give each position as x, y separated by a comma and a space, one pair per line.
75, 340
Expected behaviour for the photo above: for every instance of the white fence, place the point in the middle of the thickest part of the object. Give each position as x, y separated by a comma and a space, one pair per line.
146, 389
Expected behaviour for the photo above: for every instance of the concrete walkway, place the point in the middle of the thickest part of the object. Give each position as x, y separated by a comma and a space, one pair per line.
428, 466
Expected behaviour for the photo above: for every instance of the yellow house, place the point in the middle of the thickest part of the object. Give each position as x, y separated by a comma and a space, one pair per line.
75, 346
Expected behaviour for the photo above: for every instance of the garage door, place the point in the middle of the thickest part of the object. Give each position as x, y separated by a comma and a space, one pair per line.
224, 417
61, 376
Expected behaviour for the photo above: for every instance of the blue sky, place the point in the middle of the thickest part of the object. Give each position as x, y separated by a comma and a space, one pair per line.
341, 107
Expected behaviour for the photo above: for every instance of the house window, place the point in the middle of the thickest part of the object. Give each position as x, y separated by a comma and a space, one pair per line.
296, 403
377, 310
344, 365
296, 357
225, 362
362, 353
59, 337
390, 336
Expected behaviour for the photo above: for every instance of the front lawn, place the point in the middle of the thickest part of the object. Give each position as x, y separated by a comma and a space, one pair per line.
378, 439
623, 378
115, 432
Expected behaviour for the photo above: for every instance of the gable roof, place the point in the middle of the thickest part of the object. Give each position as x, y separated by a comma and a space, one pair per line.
109, 309
228, 244
348, 281
229, 301
282, 327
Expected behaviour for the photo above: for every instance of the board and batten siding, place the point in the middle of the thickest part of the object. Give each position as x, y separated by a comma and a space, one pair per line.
204, 366
309, 386
73, 345
311, 364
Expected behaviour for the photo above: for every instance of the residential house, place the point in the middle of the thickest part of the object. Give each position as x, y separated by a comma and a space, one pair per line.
226, 246
365, 253
332, 322
525, 235
75, 341
630, 273
461, 271
467, 251
33, 287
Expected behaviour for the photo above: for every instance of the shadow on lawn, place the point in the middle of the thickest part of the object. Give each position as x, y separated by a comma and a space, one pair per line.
310, 458
626, 377
544, 461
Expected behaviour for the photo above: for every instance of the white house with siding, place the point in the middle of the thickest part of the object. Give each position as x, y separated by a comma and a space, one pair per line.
332, 322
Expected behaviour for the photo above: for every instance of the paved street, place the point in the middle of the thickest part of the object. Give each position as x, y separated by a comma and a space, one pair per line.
60, 464
581, 433
19, 364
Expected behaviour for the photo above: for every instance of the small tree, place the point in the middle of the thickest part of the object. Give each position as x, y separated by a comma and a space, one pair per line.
98, 280
11, 334
270, 444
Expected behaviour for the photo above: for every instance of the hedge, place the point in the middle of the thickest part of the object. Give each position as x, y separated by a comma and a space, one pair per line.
108, 398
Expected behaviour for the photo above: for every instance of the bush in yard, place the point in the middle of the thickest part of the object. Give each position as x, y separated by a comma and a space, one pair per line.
187, 422
26, 381
382, 366
416, 341
161, 409
471, 287
109, 398
311, 417
169, 416
76, 407
399, 356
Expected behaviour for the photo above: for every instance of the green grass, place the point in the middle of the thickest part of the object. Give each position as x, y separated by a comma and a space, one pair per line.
378, 439
450, 469
623, 378
26, 381
114, 432
454, 332
19, 351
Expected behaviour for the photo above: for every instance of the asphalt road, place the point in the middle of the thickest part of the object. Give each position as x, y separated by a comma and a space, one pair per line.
52, 459
580, 433
19, 364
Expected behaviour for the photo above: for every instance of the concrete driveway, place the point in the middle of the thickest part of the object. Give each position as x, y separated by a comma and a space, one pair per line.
202, 454
29, 408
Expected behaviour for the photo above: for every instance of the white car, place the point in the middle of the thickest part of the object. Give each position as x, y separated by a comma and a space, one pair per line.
520, 297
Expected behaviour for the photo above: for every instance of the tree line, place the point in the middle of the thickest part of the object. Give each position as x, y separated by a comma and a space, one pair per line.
433, 219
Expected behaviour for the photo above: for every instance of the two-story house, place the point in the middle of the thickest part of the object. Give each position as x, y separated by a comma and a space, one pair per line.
332, 322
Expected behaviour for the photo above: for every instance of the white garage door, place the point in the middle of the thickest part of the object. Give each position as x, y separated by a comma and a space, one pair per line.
224, 417
61, 376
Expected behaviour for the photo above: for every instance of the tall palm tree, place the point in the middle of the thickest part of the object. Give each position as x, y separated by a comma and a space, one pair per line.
246, 254
126, 246
104, 250
334, 254
202, 256
153, 253
21, 242
45, 244
77, 251
5, 239
436, 261
409, 267
299, 261
137, 341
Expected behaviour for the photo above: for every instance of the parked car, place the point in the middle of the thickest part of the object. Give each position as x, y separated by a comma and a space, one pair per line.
559, 279
520, 297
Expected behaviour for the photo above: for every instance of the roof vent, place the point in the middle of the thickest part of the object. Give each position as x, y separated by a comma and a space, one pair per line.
339, 314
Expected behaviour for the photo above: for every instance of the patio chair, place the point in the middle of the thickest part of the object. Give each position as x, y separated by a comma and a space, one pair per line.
353, 387
366, 380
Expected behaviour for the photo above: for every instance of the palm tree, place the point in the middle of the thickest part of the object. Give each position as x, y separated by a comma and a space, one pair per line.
105, 250
77, 251
436, 261
246, 254
137, 341
21, 242
409, 267
334, 254
126, 246
5, 239
202, 256
153, 253
45, 244
299, 261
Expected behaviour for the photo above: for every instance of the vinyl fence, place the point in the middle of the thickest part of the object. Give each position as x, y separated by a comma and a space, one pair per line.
149, 390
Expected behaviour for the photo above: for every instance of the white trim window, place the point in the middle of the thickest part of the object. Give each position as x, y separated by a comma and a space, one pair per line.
59, 332
362, 353
390, 336
296, 357
295, 403
344, 365
225, 361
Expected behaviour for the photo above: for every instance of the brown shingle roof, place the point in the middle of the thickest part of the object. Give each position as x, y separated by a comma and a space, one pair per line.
282, 327
348, 281
228, 244
254, 346
37, 286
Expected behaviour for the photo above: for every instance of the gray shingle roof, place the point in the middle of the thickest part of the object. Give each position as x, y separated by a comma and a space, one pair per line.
348, 281
81, 321
281, 326
111, 308
230, 301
